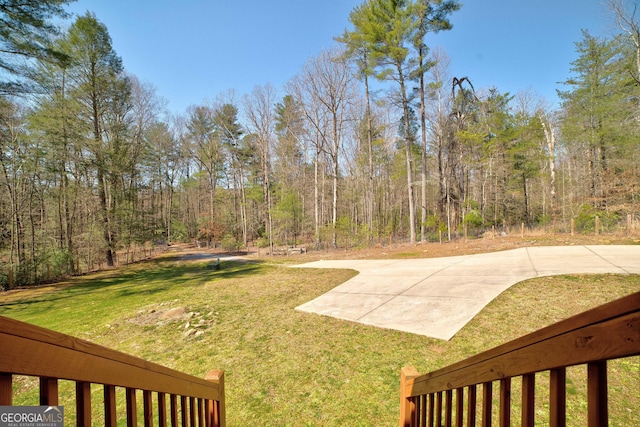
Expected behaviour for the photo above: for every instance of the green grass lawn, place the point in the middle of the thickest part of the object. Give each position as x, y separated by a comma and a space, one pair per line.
287, 368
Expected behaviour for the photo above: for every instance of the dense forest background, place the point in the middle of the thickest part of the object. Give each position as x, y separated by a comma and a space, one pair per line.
372, 141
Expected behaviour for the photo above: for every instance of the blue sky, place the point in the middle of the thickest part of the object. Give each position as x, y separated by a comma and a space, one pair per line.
194, 50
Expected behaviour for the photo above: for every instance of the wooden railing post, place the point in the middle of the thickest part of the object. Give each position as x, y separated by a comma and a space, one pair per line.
438, 410
6, 389
132, 409
528, 400
83, 404
184, 406
487, 401
505, 402
48, 391
448, 398
110, 417
407, 405
162, 410
471, 406
174, 409
192, 411
219, 417
147, 404
431, 410
459, 407
558, 398
597, 398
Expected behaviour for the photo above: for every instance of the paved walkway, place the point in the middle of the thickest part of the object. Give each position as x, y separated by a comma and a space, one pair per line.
436, 297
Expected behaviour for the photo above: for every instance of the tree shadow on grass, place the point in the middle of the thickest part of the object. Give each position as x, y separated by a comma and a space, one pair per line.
145, 278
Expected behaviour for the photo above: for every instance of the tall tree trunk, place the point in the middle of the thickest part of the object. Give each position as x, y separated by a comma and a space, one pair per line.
316, 195
336, 172
423, 158
408, 144
550, 137
371, 201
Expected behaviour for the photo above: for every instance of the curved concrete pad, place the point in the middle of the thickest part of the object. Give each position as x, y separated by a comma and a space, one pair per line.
436, 297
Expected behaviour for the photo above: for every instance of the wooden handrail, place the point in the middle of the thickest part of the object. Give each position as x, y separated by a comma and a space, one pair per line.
607, 332
34, 351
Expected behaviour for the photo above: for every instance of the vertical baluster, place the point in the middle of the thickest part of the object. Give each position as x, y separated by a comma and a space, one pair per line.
162, 409
439, 409
208, 411
487, 400
201, 419
431, 418
423, 410
185, 411
460, 407
416, 414
448, 407
216, 413
471, 406
110, 418
147, 403
132, 411
528, 400
48, 391
6, 389
83, 404
192, 411
597, 394
557, 397
173, 399
505, 402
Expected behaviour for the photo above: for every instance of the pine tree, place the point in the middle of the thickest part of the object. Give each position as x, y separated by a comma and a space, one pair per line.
25, 31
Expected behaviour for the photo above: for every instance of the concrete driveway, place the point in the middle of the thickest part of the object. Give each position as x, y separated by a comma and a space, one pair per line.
436, 297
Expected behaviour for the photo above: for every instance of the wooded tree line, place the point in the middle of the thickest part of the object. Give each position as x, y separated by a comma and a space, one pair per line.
373, 140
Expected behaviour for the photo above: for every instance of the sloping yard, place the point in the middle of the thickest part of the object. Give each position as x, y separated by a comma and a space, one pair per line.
288, 368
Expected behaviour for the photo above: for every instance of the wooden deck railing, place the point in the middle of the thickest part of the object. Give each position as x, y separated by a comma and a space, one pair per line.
37, 352
592, 338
